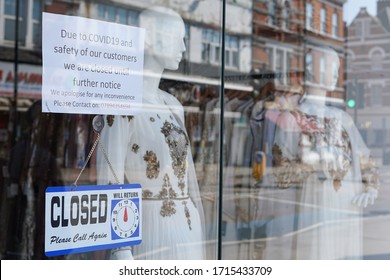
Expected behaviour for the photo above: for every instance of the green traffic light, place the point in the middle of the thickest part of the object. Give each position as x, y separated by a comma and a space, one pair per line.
351, 103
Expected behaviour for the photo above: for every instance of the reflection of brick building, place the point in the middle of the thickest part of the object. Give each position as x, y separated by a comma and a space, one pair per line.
285, 29
367, 74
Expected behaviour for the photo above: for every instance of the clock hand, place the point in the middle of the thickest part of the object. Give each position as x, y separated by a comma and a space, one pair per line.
125, 217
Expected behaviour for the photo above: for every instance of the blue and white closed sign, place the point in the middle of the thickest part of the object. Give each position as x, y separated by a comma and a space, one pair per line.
89, 218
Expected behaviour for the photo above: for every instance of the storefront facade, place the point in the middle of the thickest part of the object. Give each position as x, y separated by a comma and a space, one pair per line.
241, 129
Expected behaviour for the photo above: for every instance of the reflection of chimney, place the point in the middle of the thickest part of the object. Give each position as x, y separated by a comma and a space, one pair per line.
363, 10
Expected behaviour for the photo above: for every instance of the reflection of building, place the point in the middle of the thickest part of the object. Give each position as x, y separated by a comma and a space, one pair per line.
285, 30
368, 65
69, 134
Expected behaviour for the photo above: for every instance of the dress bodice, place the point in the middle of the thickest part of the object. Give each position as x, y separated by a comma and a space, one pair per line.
308, 144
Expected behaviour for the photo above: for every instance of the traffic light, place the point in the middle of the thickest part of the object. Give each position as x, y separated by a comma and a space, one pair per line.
351, 103
351, 96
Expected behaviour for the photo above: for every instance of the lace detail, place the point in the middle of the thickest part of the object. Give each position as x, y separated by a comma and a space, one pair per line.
178, 144
153, 165
324, 150
168, 196
370, 174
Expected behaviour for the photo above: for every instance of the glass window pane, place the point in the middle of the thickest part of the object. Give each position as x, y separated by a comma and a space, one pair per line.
9, 30
122, 16
101, 11
9, 7
111, 13
37, 9
302, 142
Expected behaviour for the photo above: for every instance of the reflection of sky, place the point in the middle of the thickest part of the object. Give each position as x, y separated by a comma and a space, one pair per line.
352, 7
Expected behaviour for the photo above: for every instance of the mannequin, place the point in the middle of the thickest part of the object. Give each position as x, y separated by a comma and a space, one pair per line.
319, 150
152, 148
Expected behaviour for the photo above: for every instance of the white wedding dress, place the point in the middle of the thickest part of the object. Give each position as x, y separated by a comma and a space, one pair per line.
152, 149
319, 150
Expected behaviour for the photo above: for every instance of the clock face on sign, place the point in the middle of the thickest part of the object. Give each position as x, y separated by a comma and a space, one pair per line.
124, 219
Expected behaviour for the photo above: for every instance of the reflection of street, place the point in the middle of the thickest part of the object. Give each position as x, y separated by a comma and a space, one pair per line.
242, 208
377, 222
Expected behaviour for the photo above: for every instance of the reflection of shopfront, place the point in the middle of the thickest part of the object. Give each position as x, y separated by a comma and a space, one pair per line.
29, 83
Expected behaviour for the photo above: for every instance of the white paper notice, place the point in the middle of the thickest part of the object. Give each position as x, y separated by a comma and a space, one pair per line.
91, 66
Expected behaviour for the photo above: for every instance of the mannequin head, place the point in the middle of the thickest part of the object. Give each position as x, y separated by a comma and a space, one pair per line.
164, 37
332, 63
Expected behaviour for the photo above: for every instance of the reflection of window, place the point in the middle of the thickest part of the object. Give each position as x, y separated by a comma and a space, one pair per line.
349, 60
272, 12
363, 133
335, 71
309, 67
279, 65
10, 20
323, 20
118, 15
288, 67
210, 46
335, 25
279, 60
322, 70
363, 28
379, 137
29, 21
309, 16
286, 15
376, 60
359, 28
187, 42
36, 19
376, 96
231, 54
